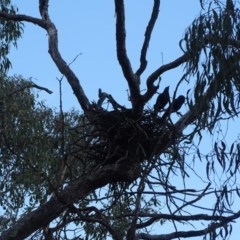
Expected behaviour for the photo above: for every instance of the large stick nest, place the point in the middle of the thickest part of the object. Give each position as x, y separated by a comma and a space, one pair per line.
120, 137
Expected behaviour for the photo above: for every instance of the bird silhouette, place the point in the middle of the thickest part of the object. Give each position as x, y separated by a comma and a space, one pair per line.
175, 106
162, 100
177, 103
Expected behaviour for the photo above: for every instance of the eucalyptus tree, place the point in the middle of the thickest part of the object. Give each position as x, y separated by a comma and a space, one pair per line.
118, 172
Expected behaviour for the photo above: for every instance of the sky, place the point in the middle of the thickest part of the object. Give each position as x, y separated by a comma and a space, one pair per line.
86, 29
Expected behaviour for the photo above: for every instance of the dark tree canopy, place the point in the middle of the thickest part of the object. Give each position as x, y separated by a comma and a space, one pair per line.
122, 172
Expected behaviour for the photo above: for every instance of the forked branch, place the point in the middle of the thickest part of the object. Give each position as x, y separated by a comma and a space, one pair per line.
58, 60
63, 67
157, 73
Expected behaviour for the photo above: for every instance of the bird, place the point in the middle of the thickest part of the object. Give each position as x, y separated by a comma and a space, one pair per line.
175, 106
162, 100
177, 103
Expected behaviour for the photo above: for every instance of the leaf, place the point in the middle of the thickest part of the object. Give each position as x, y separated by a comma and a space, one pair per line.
238, 191
217, 153
215, 17
230, 7
223, 146
225, 192
201, 3
227, 25
208, 170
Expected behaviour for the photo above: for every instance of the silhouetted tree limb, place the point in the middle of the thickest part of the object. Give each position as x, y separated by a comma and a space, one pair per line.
41, 88
132, 79
155, 75
78, 190
212, 227
29, 85
55, 54
64, 68
148, 33
132, 229
179, 218
23, 18
43, 9
96, 217
155, 217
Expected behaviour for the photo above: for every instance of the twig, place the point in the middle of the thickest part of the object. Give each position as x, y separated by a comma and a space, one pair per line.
41, 88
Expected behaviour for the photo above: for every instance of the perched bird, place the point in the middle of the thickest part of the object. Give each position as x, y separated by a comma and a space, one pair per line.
175, 106
162, 100
177, 103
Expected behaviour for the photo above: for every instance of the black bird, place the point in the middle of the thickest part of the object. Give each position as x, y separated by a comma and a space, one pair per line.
162, 100
177, 103
175, 106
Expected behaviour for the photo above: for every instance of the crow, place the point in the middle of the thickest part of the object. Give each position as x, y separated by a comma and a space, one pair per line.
177, 103
162, 100
175, 106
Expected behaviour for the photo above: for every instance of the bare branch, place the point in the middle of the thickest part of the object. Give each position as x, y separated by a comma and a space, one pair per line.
194, 200
98, 217
65, 69
148, 33
187, 234
55, 54
155, 75
132, 228
29, 85
43, 9
180, 218
41, 88
132, 79
25, 18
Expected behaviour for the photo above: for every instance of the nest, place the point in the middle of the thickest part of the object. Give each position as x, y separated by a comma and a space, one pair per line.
120, 137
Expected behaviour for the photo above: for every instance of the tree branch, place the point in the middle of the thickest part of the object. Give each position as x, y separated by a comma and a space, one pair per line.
43, 9
34, 85
65, 69
23, 18
54, 52
132, 79
187, 234
155, 75
98, 217
200, 196
60, 63
180, 218
132, 229
148, 33
78, 190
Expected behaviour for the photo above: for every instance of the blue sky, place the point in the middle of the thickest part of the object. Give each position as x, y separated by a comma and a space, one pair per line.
87, 28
